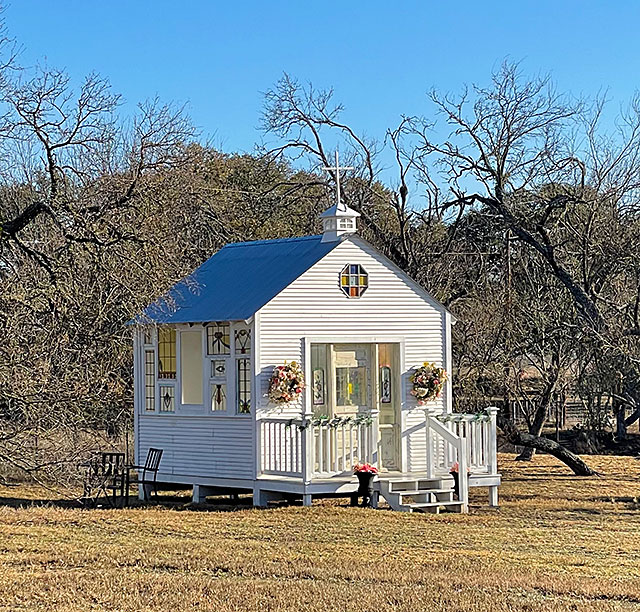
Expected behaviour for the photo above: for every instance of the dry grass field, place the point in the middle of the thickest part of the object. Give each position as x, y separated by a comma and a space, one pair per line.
557, 542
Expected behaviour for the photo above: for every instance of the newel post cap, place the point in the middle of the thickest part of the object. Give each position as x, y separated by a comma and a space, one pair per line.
433, 411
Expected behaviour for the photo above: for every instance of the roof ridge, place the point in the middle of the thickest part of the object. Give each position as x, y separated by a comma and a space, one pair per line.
271, 241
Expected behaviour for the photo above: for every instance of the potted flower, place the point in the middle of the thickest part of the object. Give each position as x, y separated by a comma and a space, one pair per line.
286, 383
428, 381
365, 473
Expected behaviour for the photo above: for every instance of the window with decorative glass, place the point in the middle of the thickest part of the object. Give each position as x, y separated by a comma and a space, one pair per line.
354, 280
243, 386
384, 360
167, 398
218, 339
166, 352
242, 341
218, 392
319, 381
149, 381
218, 386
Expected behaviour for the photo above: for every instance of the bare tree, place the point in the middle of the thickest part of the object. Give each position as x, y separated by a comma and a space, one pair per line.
538, 163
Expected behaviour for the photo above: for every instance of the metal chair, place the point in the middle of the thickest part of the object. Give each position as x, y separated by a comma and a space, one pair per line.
148, 474
106, 477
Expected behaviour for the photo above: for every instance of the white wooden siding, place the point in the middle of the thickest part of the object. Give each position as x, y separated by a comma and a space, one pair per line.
199, 446
314, 305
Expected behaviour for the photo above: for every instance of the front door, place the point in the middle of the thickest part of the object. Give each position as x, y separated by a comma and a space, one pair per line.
360, 378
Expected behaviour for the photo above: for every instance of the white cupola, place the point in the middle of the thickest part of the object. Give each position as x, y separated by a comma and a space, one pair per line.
339, 219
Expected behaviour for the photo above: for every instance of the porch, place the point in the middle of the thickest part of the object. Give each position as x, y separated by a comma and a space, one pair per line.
308, 456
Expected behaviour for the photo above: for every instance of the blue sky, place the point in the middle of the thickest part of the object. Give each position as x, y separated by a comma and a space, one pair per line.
381, 57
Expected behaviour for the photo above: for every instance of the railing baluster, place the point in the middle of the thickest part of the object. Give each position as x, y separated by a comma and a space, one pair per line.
320, 449
327, 448
365, 443
287, 447
334, 449
270, 449
351, 458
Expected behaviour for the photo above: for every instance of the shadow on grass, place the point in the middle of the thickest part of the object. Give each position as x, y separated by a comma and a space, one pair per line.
24, 502
166, 502
609, 499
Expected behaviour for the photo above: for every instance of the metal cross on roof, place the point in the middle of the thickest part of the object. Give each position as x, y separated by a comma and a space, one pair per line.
337, 169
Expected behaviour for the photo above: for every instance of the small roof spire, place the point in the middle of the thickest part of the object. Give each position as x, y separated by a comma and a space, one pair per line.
339, 219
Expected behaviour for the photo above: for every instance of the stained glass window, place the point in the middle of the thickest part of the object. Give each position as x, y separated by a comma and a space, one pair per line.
243, 379
384, 362
167, 398
149, 381
243, 341
354, 280
218, 368
166, 352
218, 397
318, 387
385, 384
218, 342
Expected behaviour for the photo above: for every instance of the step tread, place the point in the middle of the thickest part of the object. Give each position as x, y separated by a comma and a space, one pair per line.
422, 491
412, 480
434, 504
442, 487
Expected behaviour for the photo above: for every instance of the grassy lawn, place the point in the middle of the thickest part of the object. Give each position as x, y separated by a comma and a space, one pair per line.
557, 542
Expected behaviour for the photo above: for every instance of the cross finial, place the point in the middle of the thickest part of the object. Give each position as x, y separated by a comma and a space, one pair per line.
337, 169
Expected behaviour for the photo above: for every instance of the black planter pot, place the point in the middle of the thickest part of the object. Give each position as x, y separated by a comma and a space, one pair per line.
365, 488
456, 485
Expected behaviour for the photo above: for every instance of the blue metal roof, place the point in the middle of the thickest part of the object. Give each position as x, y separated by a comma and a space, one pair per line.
237, 281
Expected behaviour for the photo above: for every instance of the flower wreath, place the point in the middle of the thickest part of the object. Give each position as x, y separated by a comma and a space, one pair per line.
428, 381
286, 383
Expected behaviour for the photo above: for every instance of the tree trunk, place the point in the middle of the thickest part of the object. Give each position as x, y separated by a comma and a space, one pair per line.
535, 429
520, 438
619, 412
540, 416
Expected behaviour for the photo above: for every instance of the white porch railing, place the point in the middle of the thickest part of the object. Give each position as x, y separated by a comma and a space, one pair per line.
340, 443
466, 439
316, 448
479, 432
281, 447
322, 448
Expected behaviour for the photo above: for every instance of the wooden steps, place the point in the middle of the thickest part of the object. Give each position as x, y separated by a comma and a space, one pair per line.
433, 495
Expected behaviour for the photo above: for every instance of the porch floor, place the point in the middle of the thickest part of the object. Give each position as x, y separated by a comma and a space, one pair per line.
348, 483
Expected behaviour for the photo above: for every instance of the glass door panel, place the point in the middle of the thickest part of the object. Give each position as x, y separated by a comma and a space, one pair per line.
352, 366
